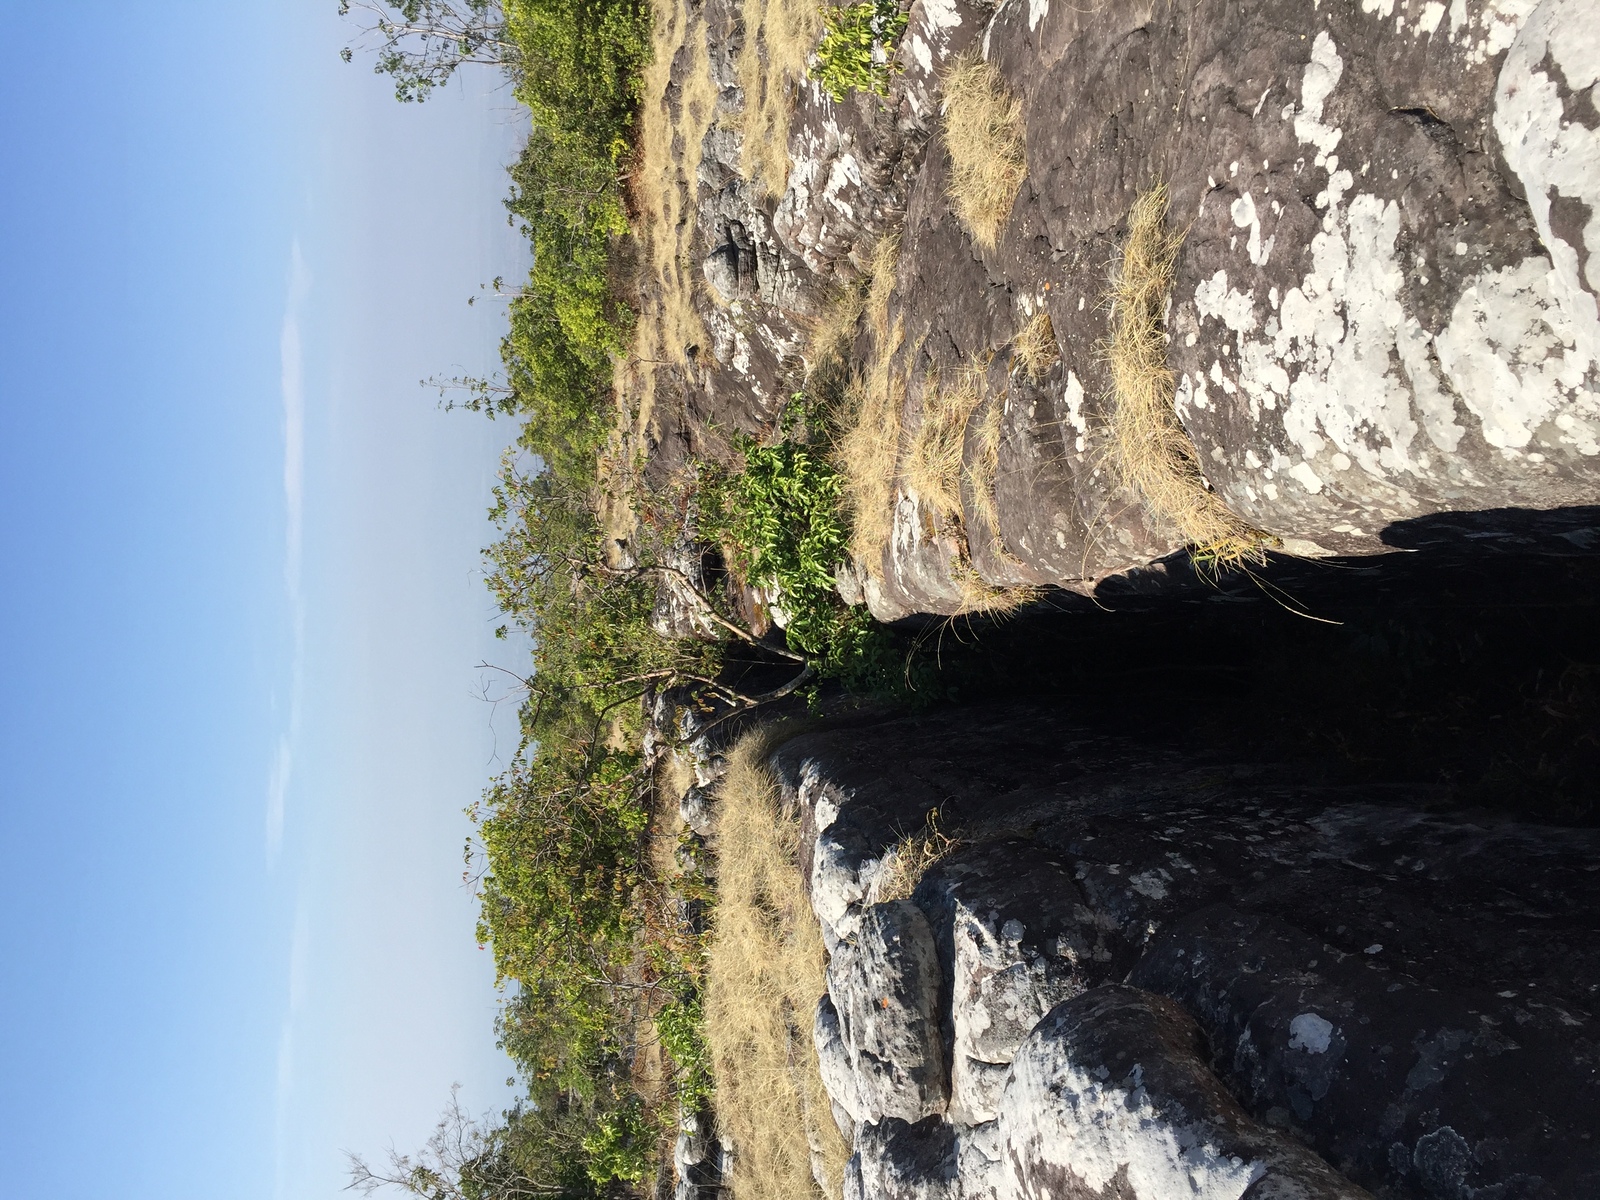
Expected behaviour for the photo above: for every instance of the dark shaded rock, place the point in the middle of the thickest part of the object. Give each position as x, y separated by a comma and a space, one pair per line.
1111, 1095
901, 1161
1409, 1088
1410, 993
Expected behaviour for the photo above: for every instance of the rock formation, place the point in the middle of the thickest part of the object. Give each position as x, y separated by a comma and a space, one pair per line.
1385, 304
1143, 974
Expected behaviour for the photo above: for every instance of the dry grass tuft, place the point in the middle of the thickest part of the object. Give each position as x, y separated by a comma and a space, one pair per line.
909, 859
985, 467
779, 35
980, 598
1152, 451
765, 973
866, 452
934, 460
866, 446
882, 265
1035, 346
983, 133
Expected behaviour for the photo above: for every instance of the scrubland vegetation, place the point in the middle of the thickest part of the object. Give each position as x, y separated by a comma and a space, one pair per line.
591, 919
632, 979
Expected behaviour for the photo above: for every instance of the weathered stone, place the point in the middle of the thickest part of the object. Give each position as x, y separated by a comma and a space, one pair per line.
680, 609
1111, 1095
902, 1161
888, 990
696, 810
833, 1063
1015, 940
1385, 306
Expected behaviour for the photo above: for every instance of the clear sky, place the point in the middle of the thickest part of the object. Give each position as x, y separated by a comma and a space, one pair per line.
241, 602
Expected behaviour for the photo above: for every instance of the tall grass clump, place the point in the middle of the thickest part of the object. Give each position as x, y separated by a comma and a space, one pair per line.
983, 133
934, 459
1151, 450
779, 36
764, 974
866, 447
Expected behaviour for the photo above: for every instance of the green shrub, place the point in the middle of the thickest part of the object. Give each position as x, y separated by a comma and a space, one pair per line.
856, 36
622, 1145
681, 1026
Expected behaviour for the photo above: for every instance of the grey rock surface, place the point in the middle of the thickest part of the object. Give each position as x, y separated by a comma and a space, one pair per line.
695, 808
1333, 988
1385, 307
888, 990
1111, 1095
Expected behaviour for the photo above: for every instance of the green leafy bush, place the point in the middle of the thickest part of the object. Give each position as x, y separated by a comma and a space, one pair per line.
681, 1026
622, 1146
857, 50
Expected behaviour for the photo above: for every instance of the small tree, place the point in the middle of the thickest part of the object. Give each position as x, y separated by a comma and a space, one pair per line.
527, 1155
420, 43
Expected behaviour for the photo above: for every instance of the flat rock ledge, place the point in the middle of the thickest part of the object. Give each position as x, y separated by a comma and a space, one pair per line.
1141, 976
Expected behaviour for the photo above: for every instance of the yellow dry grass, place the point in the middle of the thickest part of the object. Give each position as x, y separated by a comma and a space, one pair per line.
779, 35
910, 858
983, 134
1151, 450
866, 445
985, 467
672, 126
1035, 345
934, 459
764, 976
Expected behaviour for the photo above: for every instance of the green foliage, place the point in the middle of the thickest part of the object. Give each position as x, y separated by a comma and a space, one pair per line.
579, 67
622, 1146
782, 525
681, 1027
858, 45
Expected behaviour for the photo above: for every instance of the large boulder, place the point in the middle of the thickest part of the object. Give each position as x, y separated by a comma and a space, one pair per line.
1111, 1096
1351, 973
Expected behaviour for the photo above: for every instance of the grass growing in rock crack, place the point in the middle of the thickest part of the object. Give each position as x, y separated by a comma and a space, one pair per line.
910, 858
983, 133
1151, 450
765, 971
937, 466
1035, 346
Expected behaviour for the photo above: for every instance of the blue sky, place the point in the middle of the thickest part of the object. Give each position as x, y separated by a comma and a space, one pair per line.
241, 604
